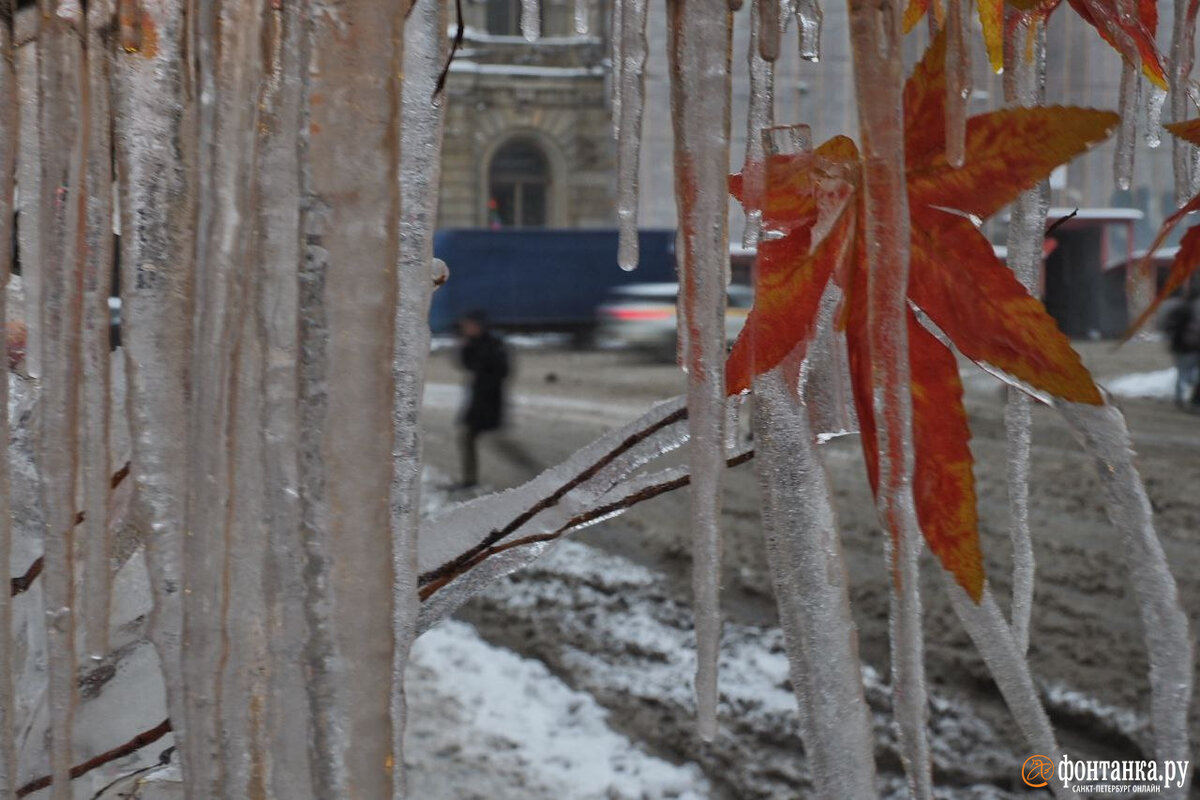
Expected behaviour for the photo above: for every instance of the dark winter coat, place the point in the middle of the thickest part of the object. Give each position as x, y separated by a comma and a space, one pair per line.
486, 359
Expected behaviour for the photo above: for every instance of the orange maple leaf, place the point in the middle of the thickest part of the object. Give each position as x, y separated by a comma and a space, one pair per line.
814, 234
1188, 257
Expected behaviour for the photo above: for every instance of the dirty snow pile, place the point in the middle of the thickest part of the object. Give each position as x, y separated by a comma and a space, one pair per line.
1157, 384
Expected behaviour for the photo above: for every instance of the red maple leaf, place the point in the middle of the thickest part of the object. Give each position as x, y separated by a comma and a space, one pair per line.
813, 224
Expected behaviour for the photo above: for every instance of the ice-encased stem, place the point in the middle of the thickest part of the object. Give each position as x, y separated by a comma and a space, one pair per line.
1024, 85
62, 77
631, 86
347, 318
699, 53
769, 29
29, 179
759, 117
1131, 83
1105, 437
875, 37
155, 148
808, 28
809, 576
958, 83
279, 255
226, 47
96, 387
1179, 72
616, 60
422, 117
531, 19
9, 133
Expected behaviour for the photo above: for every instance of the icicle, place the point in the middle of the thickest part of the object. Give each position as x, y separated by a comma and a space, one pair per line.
760, 117
1006, 661
700, 39
64, 134
1156, 98
958, 84
347, 320
769, 28
875, 34
583, 16
808, 572
1131, 82
631, 86
1179, 71
419, 177
809, 19
9, 133
531, 19
29, 179
1104, 436
616, 59
279, 256
1024, 85
157, 256
96, 389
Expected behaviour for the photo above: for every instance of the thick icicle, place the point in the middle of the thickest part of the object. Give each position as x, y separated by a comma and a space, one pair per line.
1156, 98
1024, 85
769, 28
228, 91
699, 49
631, 86
531, 19
1179, 72
1104, 436
279, 256
154, 147
63, 130
958, 83
97, 284
8, 153
875, 37
808, 27
422, 117
1131, 82
759, 117
347, 319
1005, 659
29, 179
808, 572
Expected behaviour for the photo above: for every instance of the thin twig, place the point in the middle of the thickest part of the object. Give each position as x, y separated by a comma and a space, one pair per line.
459, 32
120, 751
1060, 222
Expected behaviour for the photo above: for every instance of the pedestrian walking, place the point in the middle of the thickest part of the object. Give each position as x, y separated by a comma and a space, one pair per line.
1181, 324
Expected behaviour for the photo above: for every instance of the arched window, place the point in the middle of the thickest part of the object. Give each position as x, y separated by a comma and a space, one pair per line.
518, 185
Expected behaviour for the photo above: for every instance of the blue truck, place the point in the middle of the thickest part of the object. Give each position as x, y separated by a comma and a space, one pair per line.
540, 279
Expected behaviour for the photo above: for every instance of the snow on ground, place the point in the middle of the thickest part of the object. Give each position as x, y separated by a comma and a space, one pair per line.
514, 716
1157, 384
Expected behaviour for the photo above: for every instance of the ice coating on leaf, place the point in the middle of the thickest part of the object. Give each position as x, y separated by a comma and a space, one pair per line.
759, 117
808, 573
1127, 132
63, 130
700, 33
808, 27
1102, 432
9, 134
1183, 57
631, 85
531, 19
157, 255
422, 119
958, 83
1024, 85
96, 388
1007, 664
875, 34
